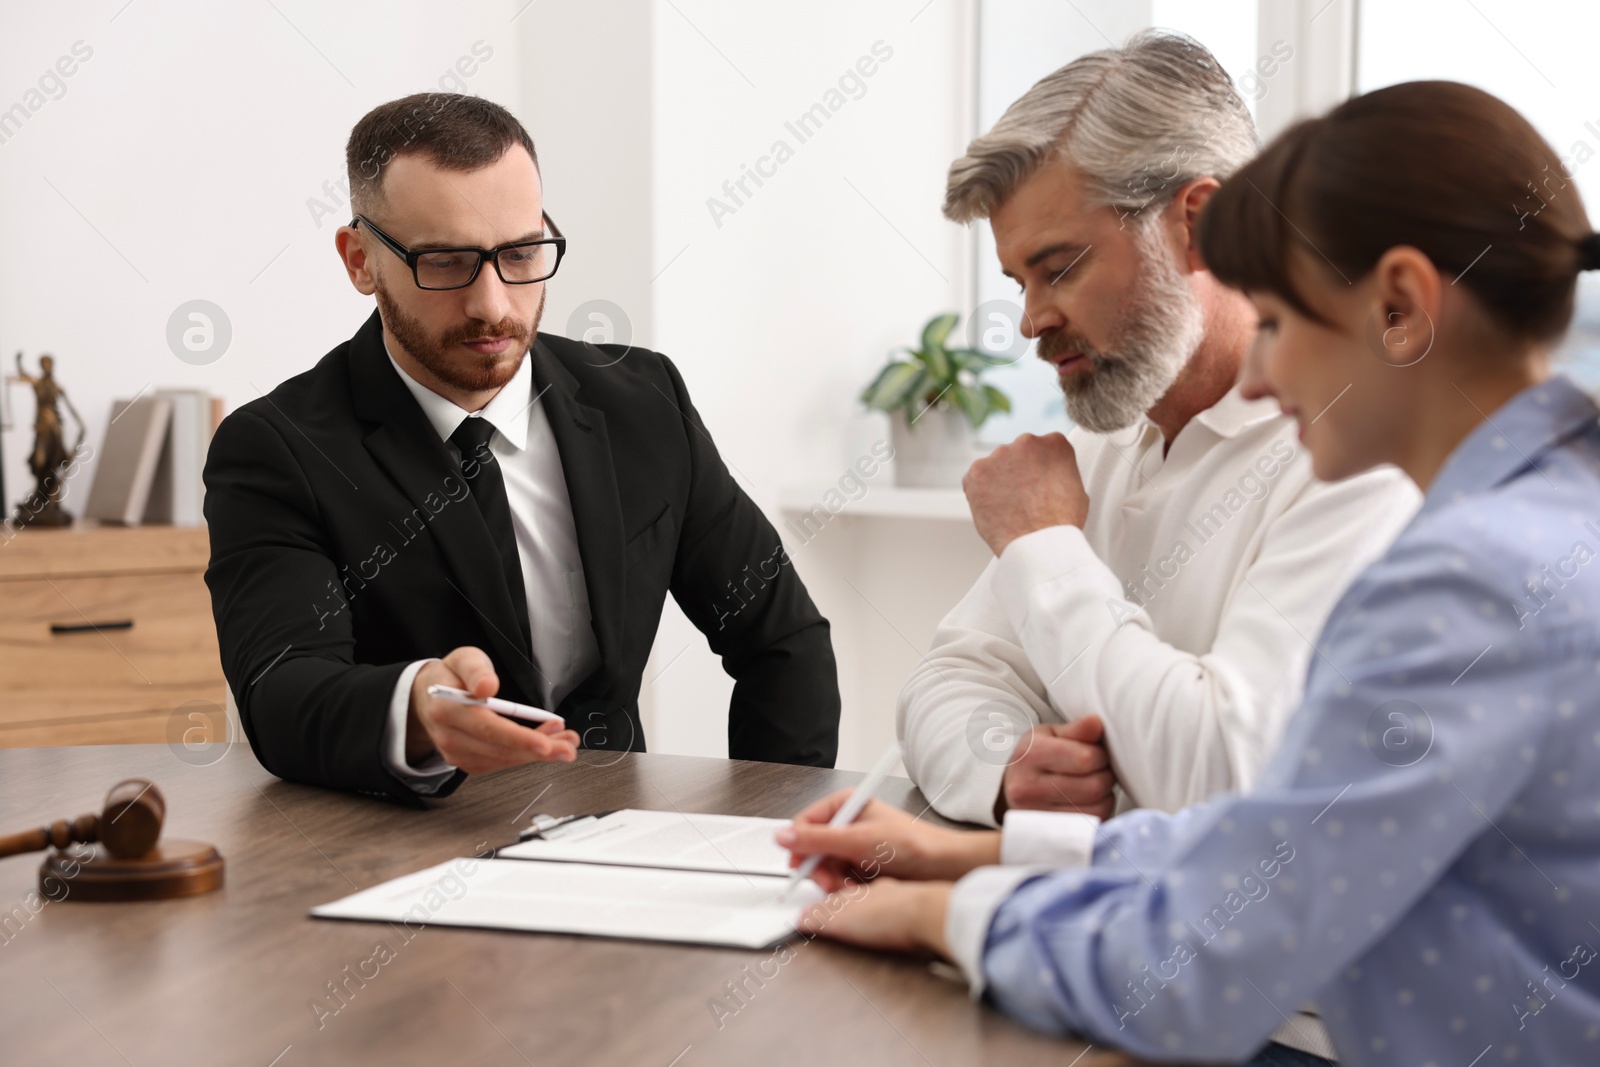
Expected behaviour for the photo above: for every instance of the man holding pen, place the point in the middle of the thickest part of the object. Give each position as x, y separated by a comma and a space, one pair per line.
453, 497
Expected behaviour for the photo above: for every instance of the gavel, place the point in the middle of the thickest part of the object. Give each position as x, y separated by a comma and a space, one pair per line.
127, 826
126, 861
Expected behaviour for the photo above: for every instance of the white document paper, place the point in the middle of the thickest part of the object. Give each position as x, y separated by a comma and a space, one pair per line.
693, 907
685, 841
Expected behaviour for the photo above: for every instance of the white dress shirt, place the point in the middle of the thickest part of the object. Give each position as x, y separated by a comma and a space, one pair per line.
1182, 613
564, 647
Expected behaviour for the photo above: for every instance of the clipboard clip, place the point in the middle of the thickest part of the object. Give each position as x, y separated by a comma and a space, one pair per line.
549, 827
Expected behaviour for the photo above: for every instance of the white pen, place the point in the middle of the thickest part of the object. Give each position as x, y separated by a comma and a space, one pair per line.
504, 707
850, 810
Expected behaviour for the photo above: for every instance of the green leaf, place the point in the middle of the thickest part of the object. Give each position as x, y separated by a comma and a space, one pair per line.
897, 382
989, 359
889, 381
998, 401
965, 359
918, 387
974, 404
937, 361
876, 382
938, 330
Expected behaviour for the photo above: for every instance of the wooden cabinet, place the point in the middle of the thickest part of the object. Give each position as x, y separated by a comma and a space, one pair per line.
148, 683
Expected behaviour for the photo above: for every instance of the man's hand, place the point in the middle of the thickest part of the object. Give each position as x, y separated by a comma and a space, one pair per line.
883, 840
889, 914
1061, 767
474, 738
1028, 485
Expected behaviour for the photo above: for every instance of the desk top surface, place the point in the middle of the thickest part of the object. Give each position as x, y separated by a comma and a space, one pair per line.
242, 975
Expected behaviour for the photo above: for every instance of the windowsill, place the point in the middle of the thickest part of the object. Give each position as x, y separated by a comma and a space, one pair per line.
878, 502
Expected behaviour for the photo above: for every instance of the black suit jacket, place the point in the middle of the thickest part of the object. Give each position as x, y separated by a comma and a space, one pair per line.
344, 545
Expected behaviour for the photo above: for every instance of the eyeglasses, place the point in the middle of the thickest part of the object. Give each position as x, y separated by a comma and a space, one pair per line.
520, 263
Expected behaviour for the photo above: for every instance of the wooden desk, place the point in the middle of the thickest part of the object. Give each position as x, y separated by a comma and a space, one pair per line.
232, 977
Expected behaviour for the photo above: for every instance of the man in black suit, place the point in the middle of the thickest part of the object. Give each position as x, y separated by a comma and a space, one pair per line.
451, 483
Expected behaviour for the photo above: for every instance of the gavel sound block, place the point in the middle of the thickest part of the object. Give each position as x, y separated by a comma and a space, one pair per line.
128, 861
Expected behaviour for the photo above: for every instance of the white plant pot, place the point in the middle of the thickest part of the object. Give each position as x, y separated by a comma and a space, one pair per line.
935, 451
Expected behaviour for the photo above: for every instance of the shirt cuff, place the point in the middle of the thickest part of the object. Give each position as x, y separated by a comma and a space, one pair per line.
1048, 838
433, 771
973, 902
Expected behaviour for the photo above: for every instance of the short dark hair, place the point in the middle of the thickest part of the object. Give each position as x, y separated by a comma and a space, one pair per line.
453, 130
1436, 165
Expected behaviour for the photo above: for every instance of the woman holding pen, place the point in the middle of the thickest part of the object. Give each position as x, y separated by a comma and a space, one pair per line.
1421, 858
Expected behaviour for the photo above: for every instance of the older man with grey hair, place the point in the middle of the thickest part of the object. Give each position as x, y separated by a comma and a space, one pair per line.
1161, 572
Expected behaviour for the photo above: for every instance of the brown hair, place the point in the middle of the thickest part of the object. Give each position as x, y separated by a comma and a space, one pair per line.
455, 131
1442, 167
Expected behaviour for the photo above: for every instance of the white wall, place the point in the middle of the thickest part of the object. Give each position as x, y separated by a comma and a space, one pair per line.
584, 93
780, 312
178, 164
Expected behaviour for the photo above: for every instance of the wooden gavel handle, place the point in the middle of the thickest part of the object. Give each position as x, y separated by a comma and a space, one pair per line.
61, 833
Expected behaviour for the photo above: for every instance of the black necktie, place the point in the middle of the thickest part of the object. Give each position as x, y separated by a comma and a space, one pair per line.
488, 487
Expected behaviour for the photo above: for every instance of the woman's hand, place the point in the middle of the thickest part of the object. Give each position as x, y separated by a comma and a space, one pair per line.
887, 914
883, 840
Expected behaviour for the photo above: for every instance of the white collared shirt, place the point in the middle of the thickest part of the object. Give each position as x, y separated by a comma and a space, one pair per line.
1182, 613
564, 648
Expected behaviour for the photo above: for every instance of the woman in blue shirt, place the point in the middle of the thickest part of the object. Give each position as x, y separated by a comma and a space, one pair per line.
1421, 859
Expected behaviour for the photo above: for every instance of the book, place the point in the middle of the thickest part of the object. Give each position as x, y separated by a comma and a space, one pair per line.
126, 466
177, 493
632, 874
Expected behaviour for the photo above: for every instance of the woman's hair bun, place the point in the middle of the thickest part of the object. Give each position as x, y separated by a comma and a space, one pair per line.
1589, 252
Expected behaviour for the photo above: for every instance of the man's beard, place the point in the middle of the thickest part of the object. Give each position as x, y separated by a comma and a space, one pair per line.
452, 365
1154, 339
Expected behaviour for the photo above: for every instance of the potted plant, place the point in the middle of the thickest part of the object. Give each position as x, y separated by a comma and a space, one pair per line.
935, 404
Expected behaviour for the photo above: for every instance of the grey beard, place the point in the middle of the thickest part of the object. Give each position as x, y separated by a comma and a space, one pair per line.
1153, 343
